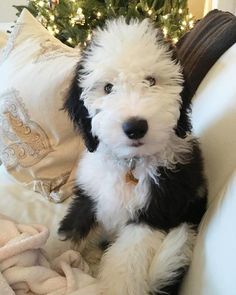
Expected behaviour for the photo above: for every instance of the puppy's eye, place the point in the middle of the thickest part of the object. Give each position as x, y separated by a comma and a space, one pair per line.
108, 88
151, 81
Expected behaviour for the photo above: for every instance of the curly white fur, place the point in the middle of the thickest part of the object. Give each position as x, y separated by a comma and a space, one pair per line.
117, 56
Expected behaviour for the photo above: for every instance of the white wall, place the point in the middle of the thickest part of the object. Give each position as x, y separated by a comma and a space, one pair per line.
7, 12
196, 7
226, 5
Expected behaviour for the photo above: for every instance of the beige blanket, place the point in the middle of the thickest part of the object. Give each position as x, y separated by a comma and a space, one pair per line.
26, 269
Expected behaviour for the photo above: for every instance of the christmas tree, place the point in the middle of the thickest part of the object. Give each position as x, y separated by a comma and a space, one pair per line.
72, 21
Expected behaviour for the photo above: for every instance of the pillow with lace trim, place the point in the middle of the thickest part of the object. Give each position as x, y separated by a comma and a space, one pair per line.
38, 146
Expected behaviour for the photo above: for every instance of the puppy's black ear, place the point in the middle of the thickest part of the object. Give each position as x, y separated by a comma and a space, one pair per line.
78, 113
183, 126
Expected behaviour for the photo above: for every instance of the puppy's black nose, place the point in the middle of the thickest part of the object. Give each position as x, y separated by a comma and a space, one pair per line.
135, 127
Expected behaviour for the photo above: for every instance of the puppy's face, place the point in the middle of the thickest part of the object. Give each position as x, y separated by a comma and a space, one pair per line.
130, 87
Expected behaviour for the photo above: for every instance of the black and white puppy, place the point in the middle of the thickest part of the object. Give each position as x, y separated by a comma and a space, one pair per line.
141, 177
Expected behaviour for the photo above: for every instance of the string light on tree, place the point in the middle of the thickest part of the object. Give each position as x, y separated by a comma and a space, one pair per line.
175, 40
165, 31
72, 21
50, 30
89, 37
80, 18
191, 24
79, 11
52, 17
41, 3
69, 40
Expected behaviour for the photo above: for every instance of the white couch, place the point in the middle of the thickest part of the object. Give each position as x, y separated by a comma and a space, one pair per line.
214, 120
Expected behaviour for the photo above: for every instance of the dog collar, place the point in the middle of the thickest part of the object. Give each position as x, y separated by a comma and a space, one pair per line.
129, 164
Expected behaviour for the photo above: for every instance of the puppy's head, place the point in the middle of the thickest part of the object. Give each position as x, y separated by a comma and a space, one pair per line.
126, 94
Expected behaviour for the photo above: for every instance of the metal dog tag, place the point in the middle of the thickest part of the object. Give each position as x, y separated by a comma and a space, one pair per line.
129, 177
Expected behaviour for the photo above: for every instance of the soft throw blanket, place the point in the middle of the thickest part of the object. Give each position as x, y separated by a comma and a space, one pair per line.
26, 269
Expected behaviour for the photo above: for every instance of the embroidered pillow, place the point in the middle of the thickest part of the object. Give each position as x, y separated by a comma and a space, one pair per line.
38, 146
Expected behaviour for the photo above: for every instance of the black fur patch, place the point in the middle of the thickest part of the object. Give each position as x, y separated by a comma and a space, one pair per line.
78, 113
80, 218
176, 198
181, 196
184, 125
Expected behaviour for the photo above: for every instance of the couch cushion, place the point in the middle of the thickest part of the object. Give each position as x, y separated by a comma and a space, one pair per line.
3, 39
214, 121
6, 27
201, 47
38, 145
212, 271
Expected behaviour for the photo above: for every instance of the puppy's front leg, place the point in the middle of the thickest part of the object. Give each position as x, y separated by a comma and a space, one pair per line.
124, 267
80, 218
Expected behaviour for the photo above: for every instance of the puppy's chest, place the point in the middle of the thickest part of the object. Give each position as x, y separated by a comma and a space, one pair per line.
116, 200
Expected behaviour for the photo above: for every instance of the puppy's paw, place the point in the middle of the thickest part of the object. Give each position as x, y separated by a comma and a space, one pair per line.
67, 229
78, 222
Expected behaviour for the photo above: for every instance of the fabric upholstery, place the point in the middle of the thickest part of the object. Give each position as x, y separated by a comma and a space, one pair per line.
212, 271
200, 48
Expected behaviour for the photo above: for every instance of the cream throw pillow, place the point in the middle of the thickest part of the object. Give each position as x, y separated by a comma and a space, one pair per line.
3, 39
38, 145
